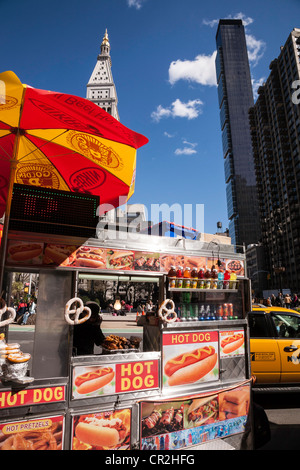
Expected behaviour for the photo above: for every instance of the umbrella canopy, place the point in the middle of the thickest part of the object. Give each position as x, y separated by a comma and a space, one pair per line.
60, 141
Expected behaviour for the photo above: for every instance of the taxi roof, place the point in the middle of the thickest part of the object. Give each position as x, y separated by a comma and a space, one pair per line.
262, 308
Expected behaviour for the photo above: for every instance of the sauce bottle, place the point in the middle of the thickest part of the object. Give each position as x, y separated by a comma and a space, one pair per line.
201, 278
207, 276
187, 278
214, 278
179, 276
172, 277
194, 278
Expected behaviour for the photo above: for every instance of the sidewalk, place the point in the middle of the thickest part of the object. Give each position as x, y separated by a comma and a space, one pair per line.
110, 317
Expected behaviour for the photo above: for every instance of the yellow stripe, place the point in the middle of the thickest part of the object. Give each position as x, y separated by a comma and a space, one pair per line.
119, 159
11, 91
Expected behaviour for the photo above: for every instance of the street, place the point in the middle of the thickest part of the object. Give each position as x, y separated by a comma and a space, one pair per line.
283, 412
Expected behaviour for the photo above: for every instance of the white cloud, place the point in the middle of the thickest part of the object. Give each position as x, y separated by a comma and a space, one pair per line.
185, 151
170, 136
256, 84
189, 110
200, 70
136, 3
256, 48
239, 16
189, 149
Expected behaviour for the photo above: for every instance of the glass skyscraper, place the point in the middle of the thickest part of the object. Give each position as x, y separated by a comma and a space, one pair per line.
235, 98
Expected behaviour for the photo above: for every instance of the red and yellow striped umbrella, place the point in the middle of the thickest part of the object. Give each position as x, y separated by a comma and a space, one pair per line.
60, 141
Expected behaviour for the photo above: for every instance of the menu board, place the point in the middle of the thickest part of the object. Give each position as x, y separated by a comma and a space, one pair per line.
93, 257
176, 424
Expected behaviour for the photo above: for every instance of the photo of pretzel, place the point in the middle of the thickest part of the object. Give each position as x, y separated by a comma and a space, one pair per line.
76, 312
167, 314
3, 310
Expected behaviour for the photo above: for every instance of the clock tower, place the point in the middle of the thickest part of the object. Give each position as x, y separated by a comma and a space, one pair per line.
101, 89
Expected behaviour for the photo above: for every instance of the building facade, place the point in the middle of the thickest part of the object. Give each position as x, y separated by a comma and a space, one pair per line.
275, 128
235, 98
101, 89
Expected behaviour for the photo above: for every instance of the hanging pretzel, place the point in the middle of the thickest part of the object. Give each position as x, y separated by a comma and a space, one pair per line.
76, 312
167, 314
3, 310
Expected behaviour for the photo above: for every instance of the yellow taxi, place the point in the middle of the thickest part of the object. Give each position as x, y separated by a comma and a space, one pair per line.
274, 345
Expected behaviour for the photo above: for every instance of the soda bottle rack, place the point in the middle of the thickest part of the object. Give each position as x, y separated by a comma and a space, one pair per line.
196, 289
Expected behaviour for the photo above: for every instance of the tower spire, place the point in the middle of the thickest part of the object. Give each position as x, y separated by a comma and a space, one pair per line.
101, 89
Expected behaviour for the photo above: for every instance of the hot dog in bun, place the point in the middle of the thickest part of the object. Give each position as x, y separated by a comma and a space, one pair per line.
90, 257
191, 366
231, 343
91, 381
100, 432
25, 251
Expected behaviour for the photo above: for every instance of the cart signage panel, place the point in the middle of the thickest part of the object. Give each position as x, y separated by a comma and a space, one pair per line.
43, 433
111, 378
179, 423
190, 358
34, 396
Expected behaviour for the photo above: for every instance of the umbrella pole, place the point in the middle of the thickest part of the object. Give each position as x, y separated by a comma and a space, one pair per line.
13, 168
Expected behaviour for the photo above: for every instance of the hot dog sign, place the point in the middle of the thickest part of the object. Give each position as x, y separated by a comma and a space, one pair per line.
190, 358
108, 379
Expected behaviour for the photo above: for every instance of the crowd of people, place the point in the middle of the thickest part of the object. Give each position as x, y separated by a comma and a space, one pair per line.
25, 309
281, 300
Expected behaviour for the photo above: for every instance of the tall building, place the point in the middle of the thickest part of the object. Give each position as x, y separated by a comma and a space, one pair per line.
235, 98
275, 126
101, 89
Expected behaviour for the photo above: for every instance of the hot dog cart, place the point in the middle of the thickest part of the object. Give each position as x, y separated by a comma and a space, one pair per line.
154, 399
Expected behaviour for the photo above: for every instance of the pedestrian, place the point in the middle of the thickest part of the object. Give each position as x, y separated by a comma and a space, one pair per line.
29, 311
295, 301
273, 300
89, 333
22, 308
287, 301
280, 300
269, 303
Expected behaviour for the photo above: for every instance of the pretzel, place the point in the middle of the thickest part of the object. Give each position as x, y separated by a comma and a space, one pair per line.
76, 312
167, 314
18, 357
4, 309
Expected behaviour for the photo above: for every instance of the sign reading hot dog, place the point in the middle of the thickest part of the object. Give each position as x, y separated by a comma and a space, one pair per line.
115, 378
34, 396
190, 357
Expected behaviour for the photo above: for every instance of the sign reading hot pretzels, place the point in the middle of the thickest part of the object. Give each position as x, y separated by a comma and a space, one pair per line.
3, 310
76, 312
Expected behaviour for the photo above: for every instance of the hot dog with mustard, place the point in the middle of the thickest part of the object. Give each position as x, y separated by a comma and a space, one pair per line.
191, 366
92, 381
232, 343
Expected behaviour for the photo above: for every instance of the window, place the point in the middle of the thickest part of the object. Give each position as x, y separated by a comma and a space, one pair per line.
287, 326
258, 325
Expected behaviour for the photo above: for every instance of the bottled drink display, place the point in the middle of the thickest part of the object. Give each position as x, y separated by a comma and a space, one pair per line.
202, 279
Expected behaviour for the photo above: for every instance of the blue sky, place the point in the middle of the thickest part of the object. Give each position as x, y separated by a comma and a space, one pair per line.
163, 66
